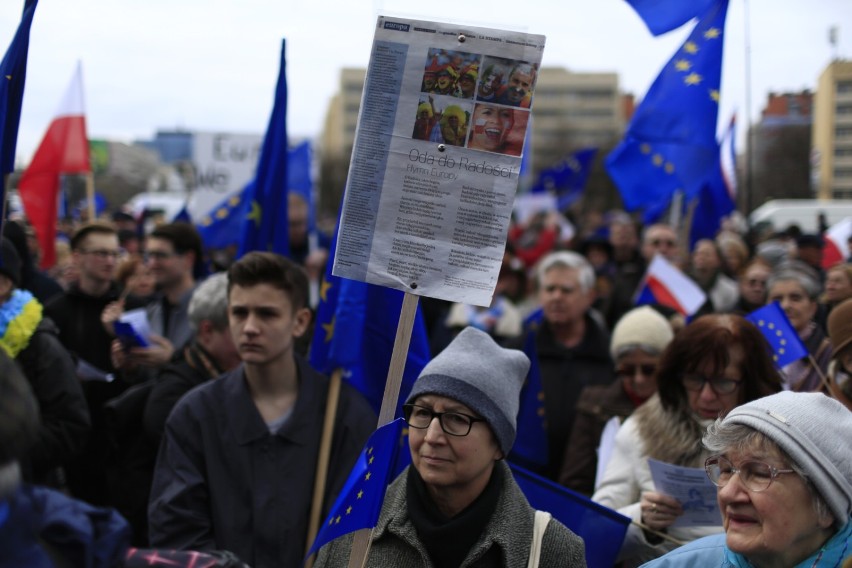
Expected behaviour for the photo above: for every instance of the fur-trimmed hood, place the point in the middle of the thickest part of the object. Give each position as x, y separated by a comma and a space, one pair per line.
671, 436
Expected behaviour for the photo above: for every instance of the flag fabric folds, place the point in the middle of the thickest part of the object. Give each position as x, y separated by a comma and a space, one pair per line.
661, 16
222, 226
530, 447
265, 228
601, 528
717, 198
13, 72
786, 344
360, 501
63, 150
567, 179
836, 240
670, 144
665, 284
355, 331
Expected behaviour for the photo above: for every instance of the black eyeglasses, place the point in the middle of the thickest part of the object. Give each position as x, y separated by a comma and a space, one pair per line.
629, 371
452, 423
158, 255
719, 385
755, 475
102, 253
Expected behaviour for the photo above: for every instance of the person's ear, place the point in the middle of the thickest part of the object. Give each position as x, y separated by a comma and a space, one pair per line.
301, 321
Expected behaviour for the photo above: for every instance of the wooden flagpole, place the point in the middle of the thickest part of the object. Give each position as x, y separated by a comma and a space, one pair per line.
90, 195
363, 538
322, 460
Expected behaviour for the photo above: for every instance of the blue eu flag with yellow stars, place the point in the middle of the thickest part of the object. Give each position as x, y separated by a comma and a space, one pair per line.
360, 501
13, 75
776, 328
265, 227
355, 329
661, 16
670, 144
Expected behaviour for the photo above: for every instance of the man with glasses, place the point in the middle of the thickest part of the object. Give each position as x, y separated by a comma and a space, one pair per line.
77, 312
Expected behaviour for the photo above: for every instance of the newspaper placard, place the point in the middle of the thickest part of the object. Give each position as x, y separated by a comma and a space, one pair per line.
436, 158
690, 486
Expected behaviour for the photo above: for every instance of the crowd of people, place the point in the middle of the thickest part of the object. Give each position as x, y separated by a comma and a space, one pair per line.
207, 438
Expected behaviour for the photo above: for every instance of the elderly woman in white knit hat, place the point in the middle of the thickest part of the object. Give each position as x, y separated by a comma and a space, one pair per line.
458, 504
783, 466
637, 342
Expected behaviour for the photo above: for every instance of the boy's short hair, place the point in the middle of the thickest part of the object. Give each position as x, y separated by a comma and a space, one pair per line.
269, 268
183, 236
93, 228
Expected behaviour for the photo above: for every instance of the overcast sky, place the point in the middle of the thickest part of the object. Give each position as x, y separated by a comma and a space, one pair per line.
212, 64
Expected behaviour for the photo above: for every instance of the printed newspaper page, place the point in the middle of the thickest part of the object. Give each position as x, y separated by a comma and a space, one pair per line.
690, 486
436, 158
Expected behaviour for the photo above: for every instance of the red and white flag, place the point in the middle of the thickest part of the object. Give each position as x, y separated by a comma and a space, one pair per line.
63, 150
665, 284
836, 243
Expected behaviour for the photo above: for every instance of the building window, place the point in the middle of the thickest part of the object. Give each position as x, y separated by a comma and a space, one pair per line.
843, 173
844, 109
842, 151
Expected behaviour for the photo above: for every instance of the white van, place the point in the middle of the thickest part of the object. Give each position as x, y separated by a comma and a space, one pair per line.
778, 214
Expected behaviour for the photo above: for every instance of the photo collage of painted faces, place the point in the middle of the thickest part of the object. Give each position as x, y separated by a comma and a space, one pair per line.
475, 101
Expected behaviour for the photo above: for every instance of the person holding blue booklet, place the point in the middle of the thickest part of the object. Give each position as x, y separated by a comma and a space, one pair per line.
458, 504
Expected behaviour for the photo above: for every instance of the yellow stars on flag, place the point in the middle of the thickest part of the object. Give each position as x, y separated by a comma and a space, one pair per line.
712, 33
683, 65
693, 79
328, 328
324, 288
690, 47
255, 214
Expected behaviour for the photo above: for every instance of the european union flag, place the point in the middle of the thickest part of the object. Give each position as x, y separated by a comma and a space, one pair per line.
601, 528
299, 181
661, 16
670, 144
360, 501
13, 75
786, 344
355, 331
263, 229
530, 447
567, 179
717, 197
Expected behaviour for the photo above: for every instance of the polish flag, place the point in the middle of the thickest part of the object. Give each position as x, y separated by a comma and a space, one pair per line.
836, 248
63, 150
665, 284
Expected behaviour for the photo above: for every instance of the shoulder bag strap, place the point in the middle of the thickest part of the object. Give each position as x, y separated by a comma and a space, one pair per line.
540, 525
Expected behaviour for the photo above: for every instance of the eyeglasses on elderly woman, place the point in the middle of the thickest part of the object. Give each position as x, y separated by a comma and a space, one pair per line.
452, 423
755, 475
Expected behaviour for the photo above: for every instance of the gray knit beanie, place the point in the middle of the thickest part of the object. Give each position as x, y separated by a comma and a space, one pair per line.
480, 374
644, 328
816, 432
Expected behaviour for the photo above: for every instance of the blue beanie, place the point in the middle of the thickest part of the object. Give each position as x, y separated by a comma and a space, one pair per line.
483, 376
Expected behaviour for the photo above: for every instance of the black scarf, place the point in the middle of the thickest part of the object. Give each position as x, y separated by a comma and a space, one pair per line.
448, 540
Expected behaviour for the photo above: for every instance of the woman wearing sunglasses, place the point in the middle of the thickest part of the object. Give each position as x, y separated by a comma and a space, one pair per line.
713, 365
783, 466
637, 343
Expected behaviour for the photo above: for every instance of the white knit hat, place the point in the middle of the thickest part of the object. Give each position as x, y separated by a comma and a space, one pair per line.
642, 327
816, 432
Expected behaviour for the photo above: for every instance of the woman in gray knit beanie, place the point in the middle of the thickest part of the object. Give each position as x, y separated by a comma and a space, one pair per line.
783, 466
458, 504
